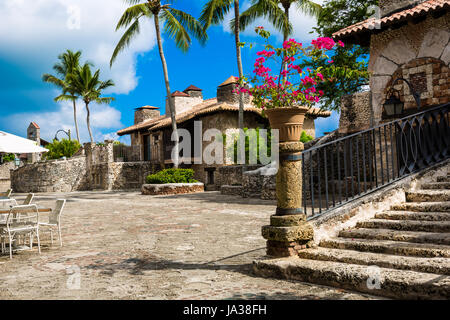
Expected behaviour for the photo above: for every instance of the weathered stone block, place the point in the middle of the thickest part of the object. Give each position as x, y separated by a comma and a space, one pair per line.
287, 221
288, 234
434, 43
399, 51
172, 188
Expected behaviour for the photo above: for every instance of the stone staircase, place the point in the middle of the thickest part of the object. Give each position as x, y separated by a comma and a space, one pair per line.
402, 253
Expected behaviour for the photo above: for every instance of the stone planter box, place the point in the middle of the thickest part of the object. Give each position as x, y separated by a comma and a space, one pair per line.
172, 188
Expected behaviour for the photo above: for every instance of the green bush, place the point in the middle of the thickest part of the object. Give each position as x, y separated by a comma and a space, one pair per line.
172, 176
305, 137
8, 157
64, 148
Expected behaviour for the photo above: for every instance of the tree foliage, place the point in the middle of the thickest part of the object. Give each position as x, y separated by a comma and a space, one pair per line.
172, 176
349, 71
64, 148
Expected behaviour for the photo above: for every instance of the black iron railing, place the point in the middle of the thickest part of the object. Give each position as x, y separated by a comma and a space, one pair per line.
348, 168
124, 153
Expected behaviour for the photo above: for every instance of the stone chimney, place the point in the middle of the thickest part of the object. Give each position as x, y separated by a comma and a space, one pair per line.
194, 92
391, 6
34, 133
145, 113
185, 100
226, 92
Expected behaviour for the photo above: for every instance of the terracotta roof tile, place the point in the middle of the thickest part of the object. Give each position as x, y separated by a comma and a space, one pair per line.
34, 124
180, 94
147, 107
370, 24
192, 88
207, 107
230, 80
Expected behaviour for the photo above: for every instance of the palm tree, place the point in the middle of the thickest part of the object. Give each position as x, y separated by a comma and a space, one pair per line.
177, 25
69, 61
90, 89
279, 17
213, 13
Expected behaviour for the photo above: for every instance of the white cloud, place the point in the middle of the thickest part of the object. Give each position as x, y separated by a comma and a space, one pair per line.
102, 117
35, 32
302, 23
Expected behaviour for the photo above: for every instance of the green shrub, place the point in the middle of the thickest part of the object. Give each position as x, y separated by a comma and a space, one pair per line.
172, 176
8, 157
64, 148
305, 137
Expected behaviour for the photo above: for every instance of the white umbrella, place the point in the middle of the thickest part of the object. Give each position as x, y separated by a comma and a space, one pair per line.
10, 143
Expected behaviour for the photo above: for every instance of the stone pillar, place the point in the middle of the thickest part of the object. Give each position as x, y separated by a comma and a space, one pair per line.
288, 231
109, 145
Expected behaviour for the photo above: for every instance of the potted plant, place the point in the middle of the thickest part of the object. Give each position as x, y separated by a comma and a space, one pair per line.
287, 96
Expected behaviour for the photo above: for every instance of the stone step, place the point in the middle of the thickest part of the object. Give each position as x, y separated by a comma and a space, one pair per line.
406, 215
423, 206
436, 186
443, 179
387, 282
389, 247
406, 225
428, 196
430, 265
395, 235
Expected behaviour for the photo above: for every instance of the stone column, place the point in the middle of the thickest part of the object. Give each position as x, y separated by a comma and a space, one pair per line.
288, 231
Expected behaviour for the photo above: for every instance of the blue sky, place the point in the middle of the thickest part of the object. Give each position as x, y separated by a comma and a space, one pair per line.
32, 34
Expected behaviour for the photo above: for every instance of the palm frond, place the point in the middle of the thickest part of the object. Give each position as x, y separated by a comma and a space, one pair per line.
125, 41
65, 97
53, 80
133, 13
192, 25
309, 7
175, 30
268, 9
214, 12
104, 100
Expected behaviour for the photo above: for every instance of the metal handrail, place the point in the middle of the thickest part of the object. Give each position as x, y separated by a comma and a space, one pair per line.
341, 171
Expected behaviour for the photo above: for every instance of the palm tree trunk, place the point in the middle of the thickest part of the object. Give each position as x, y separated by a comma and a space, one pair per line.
171, 104
241, 75
88, 122
286, 6
75, 119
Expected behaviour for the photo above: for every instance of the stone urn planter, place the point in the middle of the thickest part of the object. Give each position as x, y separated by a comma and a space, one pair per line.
289, 122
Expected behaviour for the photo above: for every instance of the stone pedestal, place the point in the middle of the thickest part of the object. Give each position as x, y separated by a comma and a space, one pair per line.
288, 231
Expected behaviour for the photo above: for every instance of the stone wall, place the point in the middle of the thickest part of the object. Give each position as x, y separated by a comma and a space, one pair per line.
120, 175
94, 171
5, 180
408, 49
356, 113
51, 176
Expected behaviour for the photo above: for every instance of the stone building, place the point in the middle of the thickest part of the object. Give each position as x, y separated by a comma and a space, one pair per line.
34, 134
409, 41
152, 131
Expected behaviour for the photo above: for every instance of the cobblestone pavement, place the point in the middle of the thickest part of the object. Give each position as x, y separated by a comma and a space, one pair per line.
128, 246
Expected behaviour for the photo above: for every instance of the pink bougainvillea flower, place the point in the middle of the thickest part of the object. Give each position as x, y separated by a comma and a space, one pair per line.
340, 43
330, 61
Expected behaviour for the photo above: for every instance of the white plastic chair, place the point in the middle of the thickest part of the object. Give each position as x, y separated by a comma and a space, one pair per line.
54, 220
22, 220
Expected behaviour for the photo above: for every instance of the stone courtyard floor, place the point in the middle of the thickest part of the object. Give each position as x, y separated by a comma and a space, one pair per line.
128, 246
